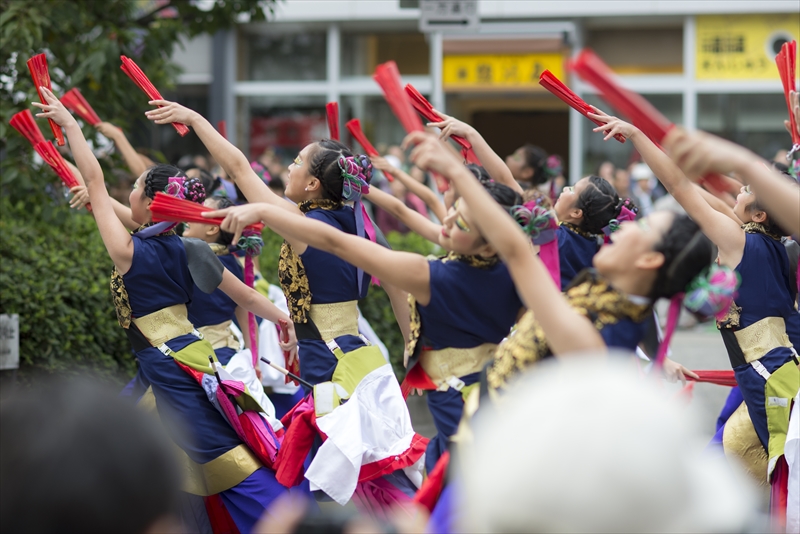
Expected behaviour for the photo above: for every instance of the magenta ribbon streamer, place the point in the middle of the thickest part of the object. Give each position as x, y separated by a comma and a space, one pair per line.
249, 279
672, 322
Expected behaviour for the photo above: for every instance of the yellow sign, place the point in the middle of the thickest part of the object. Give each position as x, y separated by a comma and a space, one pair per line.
510, 71
742, 47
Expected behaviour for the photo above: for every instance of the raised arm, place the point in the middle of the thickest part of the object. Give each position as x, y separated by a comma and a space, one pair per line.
566, 330
116, 238
133, 159
493, 163
406, 271
231, 159
251, 300
423, 192
721, 229
411, 218
700, 153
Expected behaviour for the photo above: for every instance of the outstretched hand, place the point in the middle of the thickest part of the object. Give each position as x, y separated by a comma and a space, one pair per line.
612, 125
699, 153
673, 371
170, 112
451, 126
80, 197
431, 154
54, 109
237, 218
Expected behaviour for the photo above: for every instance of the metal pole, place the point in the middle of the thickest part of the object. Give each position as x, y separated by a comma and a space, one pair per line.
437, 93
690, 88
576, 120
333, 62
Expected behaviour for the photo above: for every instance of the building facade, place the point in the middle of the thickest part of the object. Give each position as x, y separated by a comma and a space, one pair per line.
705, 64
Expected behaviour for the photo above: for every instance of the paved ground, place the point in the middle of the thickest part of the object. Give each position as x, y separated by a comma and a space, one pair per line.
699, 347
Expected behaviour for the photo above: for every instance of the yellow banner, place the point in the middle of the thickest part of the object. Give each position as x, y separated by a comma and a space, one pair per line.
509, 71
742, 47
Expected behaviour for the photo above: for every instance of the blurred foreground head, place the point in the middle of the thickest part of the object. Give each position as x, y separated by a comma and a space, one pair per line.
75, 458
585, 445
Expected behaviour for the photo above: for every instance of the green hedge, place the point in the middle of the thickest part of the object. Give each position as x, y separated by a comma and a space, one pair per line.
55, 272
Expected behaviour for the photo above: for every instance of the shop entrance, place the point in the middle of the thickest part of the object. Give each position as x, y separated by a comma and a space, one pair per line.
507, 130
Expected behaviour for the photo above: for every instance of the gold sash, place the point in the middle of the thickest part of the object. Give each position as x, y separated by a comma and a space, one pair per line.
220, 335
165, 324
220, 474
444, 364
336, 319
739, 439
761, 337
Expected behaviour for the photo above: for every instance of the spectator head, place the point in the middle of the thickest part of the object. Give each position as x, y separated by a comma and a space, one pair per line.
74, 457
643, 177
606, 171
527, 164
621, 456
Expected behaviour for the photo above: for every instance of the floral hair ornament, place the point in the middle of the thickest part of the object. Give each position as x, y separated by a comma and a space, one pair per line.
356, 174
627, 212
536, 221
176, 187
261, 172
553, 167
711, 292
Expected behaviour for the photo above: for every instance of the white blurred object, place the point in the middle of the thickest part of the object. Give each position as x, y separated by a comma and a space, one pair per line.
269, 348
583, 444
792, 455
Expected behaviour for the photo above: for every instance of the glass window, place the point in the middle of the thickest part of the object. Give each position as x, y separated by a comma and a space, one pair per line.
597, 151
283, 125
751, 120
287, 57
361, 52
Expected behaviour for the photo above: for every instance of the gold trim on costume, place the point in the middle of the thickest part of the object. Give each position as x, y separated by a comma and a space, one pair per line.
761, 337
440, 365
221, 473
335, 319
220, 335
165, 324
739, 439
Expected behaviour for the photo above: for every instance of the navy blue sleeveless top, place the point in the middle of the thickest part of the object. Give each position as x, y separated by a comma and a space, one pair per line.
159, 275
767, 288
575, 253
214, 308
469, 306
330, 278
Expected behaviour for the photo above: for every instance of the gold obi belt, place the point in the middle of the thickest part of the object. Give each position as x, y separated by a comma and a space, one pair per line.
336, 319
445, 366
165, 324
220, 336
761, 337
220, 474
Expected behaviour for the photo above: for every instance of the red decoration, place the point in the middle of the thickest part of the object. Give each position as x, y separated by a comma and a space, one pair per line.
787, 61
133, 71
642, 113
222, 128
720, 378
425, 109
52, 157
25, 124
388, 77
73, 99
168, 208
41, 78
566, 95
332, 110
354, 127
294, 367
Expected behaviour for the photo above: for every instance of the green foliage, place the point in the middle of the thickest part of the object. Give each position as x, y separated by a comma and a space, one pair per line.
83, 40
55, 275
376, 307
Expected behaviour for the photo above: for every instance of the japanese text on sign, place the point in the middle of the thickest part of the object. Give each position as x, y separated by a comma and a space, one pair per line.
742, 47
499, 71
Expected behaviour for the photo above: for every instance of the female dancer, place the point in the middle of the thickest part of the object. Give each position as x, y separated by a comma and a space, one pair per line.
763, 323
656, 258
462, 305
152, 283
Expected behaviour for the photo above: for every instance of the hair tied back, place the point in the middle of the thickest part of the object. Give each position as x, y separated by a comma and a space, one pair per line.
711, 292
356, 173
536, 220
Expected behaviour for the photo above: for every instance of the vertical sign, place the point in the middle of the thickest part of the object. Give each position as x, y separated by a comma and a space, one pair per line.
9, 341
